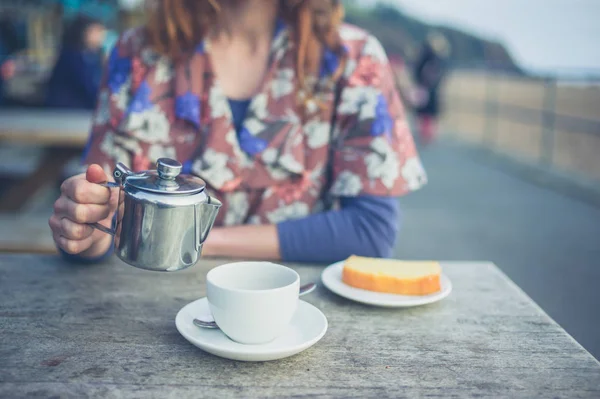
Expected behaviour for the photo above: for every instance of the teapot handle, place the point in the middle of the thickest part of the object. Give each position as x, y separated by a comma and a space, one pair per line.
120, 173
98, 226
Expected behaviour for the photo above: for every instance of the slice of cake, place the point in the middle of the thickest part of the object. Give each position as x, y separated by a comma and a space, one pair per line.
392, 276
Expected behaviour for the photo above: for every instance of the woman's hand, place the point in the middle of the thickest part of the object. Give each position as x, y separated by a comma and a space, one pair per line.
82, 201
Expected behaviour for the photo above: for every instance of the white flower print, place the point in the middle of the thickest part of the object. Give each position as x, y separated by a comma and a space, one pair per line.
151, 125
373, 48
218, 103
350, 33
288, 162
280, 42
311, 106
237, 208
315, 179
347, 184
115, 152
350, 68
159, 151
359, 100
269, 155
383, 163
296, 136
254, 219
317, 132
295, 210
293, 118
258, 106
277, 173
158, 124
317, 171
121, 98
212, 167
231, 139
350, 101
164, 71
149, 56
129, 143
268, 193
414, 173
283, 83
102, 115
254, 126
214, 158
368, 103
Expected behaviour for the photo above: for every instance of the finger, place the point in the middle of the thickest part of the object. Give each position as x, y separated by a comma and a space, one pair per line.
73, 247
54, 223
60, 207
75, 231
80, 213
115, 199
95, 174
83, 192
68, 229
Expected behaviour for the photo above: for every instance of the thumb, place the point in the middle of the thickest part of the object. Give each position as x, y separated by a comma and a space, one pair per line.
95, 174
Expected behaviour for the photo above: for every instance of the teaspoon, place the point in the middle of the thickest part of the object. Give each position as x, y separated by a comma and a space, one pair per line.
305, 289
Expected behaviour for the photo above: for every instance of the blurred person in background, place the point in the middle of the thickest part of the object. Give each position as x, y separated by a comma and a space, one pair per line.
75, 79
307, 145
429, 72
12, 40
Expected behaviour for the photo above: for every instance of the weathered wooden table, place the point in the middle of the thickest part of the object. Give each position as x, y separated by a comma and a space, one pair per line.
108, 331
63, 135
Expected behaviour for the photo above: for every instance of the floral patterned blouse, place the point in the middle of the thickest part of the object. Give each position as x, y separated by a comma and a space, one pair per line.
282, 164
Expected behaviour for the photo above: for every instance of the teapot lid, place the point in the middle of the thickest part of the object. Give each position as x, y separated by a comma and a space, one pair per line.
166, 179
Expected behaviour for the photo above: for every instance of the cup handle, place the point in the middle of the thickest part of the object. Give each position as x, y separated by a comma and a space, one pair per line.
98, 226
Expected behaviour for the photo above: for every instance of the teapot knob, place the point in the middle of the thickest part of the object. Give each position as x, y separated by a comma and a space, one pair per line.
168, 168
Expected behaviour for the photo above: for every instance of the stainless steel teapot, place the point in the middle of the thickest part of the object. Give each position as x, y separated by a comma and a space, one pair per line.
166, 217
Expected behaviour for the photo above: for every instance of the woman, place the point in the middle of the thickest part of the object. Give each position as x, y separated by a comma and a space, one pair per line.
290, 118
75, 79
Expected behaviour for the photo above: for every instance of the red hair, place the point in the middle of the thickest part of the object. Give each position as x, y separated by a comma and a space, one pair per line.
176, 26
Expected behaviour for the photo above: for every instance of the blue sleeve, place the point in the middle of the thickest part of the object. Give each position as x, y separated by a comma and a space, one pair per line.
365, 226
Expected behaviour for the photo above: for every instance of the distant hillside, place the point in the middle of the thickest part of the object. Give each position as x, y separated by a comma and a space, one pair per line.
402, 36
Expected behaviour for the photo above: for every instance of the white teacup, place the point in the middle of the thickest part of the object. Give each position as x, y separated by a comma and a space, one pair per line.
252, 302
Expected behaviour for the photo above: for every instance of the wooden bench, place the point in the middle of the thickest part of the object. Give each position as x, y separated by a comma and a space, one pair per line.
62, 134
25, 234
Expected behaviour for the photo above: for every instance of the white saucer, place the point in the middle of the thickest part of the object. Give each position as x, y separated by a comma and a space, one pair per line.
308, 326
332, 279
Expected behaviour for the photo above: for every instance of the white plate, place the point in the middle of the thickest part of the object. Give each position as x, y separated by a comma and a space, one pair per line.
308, 326
332, 279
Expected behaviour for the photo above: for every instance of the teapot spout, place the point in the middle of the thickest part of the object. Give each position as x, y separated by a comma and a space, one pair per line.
206, 215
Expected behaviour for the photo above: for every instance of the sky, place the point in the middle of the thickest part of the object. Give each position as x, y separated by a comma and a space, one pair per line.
544, 35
